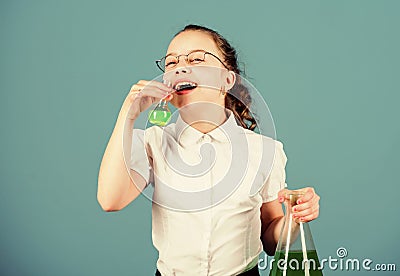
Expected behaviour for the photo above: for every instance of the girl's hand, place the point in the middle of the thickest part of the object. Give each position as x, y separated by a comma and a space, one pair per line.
307, 208
142, 95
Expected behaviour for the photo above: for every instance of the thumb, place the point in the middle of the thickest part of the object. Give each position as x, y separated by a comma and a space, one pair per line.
283, 194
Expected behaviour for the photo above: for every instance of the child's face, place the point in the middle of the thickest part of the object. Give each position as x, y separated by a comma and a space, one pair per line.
211, 72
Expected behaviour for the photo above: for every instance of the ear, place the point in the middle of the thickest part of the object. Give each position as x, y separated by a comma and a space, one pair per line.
230, 80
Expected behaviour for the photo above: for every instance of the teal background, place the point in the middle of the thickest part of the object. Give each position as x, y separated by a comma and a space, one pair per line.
329, 71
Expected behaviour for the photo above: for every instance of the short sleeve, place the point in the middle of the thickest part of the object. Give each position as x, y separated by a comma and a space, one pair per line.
140, 159
277, 178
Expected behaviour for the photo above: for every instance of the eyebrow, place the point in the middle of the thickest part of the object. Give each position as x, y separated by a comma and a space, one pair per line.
191, 51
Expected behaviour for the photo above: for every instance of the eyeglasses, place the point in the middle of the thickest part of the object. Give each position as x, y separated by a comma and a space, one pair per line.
193, 58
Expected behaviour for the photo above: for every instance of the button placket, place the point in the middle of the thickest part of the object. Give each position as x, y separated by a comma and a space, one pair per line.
208, 212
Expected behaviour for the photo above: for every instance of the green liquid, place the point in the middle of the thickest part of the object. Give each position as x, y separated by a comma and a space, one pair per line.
295, 268
159, 117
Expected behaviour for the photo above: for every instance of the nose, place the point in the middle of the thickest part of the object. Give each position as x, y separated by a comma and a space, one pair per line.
182, 70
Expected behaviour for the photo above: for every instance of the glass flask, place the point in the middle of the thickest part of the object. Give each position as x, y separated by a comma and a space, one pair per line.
295, 253
161, 114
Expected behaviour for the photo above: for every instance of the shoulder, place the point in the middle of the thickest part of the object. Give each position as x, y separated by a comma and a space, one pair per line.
259, 138
265, 145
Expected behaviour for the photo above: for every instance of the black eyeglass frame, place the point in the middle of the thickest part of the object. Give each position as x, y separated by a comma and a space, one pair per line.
158, 61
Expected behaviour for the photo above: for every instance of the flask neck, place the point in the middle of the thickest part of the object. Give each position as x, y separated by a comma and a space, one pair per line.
290, 202
163, 103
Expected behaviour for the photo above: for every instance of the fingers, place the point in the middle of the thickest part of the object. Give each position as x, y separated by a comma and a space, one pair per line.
283, 194
149, 88
307, 207
310, 217
308, 194
155, 84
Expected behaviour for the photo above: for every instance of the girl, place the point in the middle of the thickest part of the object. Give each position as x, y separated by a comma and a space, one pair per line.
197, 233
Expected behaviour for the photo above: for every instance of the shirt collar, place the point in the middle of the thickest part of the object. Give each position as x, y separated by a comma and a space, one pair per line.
186, 134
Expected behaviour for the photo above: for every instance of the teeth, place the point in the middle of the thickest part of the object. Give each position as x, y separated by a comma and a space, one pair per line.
184, 84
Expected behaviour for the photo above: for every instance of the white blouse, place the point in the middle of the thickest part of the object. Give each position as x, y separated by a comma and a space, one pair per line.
207, 192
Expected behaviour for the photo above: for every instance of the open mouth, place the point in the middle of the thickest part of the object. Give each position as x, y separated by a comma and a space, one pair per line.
184, 87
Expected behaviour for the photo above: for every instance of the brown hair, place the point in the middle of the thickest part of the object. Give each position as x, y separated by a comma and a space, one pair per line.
238, 100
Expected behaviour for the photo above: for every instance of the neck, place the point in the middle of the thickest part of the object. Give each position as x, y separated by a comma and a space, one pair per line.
204, 118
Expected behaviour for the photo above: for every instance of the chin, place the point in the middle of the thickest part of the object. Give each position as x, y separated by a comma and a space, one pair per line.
181, 102
184, 98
